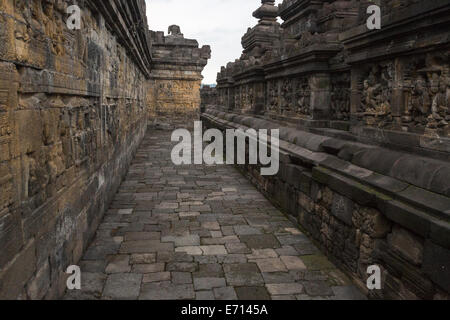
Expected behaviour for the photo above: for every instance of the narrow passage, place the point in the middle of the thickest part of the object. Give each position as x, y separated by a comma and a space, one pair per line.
200, 232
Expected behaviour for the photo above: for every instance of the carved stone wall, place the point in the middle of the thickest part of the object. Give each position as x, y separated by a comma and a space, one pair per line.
176, 75
72, 113
364, 127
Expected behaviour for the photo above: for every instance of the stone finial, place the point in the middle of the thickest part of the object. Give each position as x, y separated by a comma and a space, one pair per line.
267, 13
175, 31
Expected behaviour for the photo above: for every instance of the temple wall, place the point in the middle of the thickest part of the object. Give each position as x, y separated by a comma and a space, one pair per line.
365, 143
176, 75
72, 113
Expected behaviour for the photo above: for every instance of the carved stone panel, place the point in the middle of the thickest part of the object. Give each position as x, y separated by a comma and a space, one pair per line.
303, 97
376, 97
427, 85
340, 96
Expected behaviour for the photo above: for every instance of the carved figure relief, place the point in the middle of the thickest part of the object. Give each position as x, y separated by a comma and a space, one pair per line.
376, 95
287, 97
273, 96
53, 28
303, 97
419, 103
440, 115
428, 98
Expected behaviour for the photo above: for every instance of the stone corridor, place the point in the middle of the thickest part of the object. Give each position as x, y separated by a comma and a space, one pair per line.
200, 232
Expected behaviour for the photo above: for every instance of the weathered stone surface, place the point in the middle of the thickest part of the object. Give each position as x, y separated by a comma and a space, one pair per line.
436, 264
293, 263
364, 128
176, 73
252, 293
342, 208
181, 277
70, 123
347, 293
271, 265
209, 283
119, 264
144, 258
243, 275
14, 278
285, 288
167, 291
225, 293
145, 246
406, 244
122, 286
168, 272
317, 288
156, 277
265, 241
148, 268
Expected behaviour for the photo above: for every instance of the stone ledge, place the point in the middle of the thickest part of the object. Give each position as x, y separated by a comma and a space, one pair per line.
386, 162
398, 200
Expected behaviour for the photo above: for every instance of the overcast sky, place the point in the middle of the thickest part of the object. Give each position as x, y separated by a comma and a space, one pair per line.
219, 23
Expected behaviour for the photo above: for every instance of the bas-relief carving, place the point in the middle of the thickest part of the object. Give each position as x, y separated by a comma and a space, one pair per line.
427, 85
272, 95
303, 97
375, 106
287, 97
340, 97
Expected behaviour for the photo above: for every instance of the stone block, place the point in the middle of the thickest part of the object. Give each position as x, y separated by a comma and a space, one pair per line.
38, 286
408, 245
122, 286
167, 291
18, 273
252, 293
285, 288
10, 237
436, 264
342, 208
225, 293
209, 283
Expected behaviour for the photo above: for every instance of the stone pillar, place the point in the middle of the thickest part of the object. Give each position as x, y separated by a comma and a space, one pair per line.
320, 85
259, 103
355, 98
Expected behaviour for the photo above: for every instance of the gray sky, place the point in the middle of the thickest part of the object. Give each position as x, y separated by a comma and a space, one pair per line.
219, 23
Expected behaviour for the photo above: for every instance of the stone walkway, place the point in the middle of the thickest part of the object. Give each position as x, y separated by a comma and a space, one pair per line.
200, 232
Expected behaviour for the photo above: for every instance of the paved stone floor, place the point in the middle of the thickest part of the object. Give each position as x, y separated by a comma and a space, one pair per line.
200, 232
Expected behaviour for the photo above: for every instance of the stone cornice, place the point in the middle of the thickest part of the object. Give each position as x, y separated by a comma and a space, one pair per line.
127, 20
